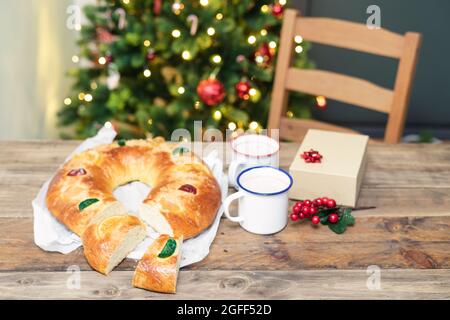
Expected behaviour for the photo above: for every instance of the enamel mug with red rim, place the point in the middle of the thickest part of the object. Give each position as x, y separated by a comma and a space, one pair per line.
249, 151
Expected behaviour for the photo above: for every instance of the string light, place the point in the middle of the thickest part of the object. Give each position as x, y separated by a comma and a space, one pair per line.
253, 125
186, 55
263, 32
75, 59
232, 126
259, 59
94, 85
81, 96
298, 39
264, 8
217, 115
177, 6
176, 33
252, 91
126, 1
211, 31
88, 97
197, 105
204, 2
216, 59
147, 73
108, 125
251, 39
147, 43
150, 121
299, 49
102, 60
321, 101
219, 16
181, 90
282, 2
67, 101
272, 44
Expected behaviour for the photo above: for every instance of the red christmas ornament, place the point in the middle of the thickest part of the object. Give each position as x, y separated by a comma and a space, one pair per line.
211, 91
263, 55
109, 58
151, 55
104, 36
243, 89
157, 4
312, 156
277, 10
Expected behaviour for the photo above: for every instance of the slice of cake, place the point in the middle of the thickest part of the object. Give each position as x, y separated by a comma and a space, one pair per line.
158, 268
106, 243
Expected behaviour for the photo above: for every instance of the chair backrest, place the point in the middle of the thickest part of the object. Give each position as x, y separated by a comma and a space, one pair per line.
340, 87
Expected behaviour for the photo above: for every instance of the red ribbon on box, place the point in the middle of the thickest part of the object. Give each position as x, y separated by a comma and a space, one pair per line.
311, 156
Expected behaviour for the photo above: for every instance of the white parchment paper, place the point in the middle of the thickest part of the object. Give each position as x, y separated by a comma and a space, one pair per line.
50, 235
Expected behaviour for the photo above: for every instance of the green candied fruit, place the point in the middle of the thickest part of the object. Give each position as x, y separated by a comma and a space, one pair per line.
169, 249
86, 203
179, 151
122, 142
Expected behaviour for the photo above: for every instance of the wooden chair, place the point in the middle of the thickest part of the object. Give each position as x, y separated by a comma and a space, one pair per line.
340, 87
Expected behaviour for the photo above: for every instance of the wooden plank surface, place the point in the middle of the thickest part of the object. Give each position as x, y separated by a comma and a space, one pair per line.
400, 179
301, 284
402, 242
406, 234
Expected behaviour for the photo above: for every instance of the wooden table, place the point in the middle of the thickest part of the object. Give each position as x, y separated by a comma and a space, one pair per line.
407, 236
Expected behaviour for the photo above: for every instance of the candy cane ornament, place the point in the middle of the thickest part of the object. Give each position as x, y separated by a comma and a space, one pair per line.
193, 19
122, 18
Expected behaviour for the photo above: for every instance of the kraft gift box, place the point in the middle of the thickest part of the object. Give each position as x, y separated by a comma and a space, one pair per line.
340, 172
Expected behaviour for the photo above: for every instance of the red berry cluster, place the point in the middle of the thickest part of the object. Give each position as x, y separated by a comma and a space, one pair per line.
309, 209
311, 156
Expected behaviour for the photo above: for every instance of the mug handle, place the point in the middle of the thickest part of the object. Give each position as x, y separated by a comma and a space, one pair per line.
232, 170
227, 203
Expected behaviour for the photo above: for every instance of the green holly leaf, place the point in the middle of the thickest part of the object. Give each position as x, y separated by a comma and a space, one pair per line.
169, 249
323, 215
86, 203
345, 220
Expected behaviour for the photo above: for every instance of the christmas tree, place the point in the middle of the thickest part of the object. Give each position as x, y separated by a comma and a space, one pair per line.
151, 66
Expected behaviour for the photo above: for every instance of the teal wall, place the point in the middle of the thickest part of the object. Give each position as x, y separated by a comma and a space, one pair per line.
430, 102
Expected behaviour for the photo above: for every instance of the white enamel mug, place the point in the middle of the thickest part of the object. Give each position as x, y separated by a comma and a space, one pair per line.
249, 151
263, 199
